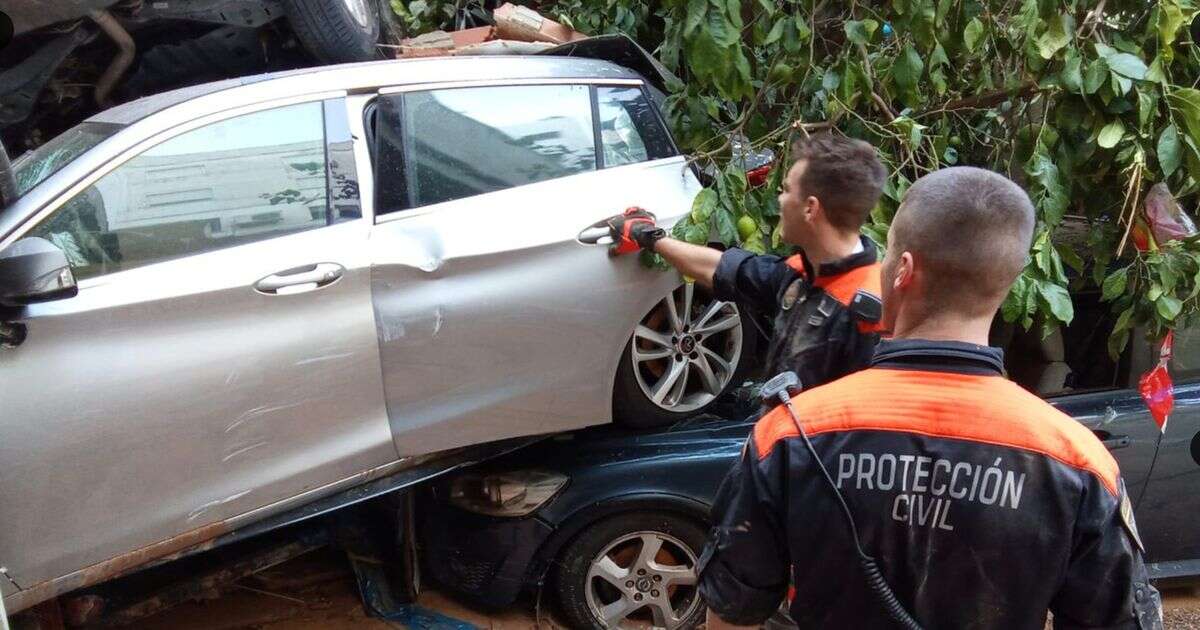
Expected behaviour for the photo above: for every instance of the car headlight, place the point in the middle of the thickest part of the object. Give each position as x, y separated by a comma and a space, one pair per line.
505, 494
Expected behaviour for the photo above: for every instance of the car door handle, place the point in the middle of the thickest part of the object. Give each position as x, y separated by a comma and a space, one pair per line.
300, 279
1112, 442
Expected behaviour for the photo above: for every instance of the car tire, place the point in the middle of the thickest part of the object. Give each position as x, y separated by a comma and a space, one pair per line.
633, 406
583, 594
337, 31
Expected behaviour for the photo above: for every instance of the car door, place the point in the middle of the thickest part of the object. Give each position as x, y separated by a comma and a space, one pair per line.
493, 319
1167, 511
219, 358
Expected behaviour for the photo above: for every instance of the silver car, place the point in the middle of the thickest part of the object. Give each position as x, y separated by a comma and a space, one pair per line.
225, 301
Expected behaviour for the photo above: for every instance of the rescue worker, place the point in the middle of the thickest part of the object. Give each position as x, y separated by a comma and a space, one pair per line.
825, 299
983, 505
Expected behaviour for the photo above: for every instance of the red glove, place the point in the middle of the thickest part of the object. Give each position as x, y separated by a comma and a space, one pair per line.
633, 230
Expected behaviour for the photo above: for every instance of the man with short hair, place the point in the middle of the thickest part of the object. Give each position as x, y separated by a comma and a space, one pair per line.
825, 299
982, 505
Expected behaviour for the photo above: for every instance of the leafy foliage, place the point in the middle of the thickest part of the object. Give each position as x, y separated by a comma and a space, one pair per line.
1085, 103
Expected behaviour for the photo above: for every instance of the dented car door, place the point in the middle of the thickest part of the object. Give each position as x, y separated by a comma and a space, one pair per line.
220, 356
494, 321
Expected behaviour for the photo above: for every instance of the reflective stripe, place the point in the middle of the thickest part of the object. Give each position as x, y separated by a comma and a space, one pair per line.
796, 262
843, 286
969, 407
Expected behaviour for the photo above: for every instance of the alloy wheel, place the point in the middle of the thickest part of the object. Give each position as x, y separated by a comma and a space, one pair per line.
686, 350
361, 11
643, 579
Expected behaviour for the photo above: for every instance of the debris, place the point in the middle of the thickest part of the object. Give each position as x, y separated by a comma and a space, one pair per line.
441, 43
1168, 222
518, 31
525, 24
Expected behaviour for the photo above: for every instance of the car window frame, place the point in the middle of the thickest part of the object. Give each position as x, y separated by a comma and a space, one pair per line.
658, 119
361, 105
56, 203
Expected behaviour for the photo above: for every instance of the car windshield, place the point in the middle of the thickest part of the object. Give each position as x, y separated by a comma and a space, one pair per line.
35, 166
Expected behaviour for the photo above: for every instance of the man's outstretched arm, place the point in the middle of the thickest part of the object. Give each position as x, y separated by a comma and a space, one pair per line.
693, 261
735, 275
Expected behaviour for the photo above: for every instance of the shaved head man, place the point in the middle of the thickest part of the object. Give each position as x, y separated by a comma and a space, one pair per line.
957, 243
983, 506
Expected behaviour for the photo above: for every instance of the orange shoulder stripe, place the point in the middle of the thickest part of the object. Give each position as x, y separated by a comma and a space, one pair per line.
797, 264
843, 286
984, 409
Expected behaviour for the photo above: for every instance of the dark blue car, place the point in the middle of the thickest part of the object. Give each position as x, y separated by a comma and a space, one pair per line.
612, 522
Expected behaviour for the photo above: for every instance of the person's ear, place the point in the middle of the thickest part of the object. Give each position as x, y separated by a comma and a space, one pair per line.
905, 272
813, 210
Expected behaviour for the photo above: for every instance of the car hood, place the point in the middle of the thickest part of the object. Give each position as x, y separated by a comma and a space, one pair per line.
593, 451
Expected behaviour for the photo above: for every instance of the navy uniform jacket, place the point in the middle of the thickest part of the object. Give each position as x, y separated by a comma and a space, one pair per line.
983, 505
825, 321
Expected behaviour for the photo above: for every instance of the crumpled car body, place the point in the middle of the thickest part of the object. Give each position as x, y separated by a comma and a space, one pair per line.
291, 284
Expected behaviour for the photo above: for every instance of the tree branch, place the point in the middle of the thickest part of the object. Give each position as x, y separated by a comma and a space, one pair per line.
987, 99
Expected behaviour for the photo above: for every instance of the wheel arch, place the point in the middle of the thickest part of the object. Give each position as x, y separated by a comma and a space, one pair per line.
580, 519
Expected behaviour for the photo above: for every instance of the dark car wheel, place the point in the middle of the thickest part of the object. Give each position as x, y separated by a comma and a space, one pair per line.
337, 31
634, 570
687, 351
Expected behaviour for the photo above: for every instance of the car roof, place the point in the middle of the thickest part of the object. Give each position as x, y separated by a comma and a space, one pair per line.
372, 74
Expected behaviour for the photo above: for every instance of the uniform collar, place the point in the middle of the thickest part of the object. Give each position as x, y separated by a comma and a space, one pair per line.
835, 268
938, 356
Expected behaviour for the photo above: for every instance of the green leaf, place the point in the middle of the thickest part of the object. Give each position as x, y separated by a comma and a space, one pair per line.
1072, 259
1116, 344
726, 226
1071, 75
1123, 320
1054, 39
1127, 65
1114, 285
907, 69
860, 32
831, 80
735, 183
1013, 306
1111, 134
972, 34
1155, 292
703, 205
1145, 108
1121, 85
938, 57
1170, 18
1095, 75
697, 10
696, 234
723, 32
776, 31
1168, 150
735, 14
803, 32
1168, 307
1186, 101
1058, 300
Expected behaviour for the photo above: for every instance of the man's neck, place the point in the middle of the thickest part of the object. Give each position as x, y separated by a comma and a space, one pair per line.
833, 250
945, 327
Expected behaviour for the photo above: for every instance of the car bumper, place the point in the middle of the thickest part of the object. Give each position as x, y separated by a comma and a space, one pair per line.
484, 558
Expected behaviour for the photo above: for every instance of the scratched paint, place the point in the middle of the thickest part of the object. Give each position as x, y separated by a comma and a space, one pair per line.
204, 509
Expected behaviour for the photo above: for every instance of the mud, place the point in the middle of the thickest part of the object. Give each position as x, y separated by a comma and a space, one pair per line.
318, 592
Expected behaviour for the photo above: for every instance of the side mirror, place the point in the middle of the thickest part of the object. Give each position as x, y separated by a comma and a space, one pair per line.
34, 270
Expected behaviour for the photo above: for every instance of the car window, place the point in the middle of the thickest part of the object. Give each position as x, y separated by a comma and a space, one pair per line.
1185, 355
440, 145
1070, 359
34, 167
630, 131
237, 181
